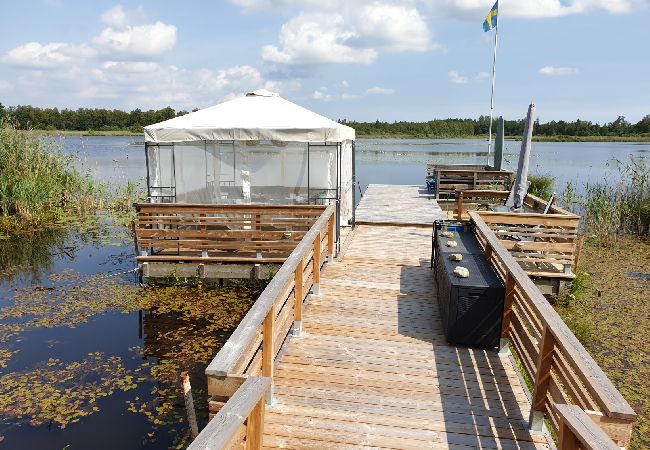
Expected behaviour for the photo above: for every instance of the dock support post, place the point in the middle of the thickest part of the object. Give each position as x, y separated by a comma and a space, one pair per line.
189, 404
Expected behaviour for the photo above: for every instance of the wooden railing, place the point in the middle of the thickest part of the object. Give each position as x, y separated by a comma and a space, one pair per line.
179, 232
543, 244
277, 314
241, 419
451, 181
552, 358
578, 431
472, 199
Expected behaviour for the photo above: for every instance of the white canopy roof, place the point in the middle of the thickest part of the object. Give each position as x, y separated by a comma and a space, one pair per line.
260, 115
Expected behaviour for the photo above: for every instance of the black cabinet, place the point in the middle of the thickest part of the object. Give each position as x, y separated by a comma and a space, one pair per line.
471, 308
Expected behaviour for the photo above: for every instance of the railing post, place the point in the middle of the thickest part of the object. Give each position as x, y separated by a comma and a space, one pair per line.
542, 380
459, 206
567, 440
299, 297
268, 351
330, 240
504, 348
317, 250
255, 427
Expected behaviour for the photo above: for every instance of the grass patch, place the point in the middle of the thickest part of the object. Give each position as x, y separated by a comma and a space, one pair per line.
38, 183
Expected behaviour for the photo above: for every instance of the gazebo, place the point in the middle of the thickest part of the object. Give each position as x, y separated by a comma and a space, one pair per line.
259, 148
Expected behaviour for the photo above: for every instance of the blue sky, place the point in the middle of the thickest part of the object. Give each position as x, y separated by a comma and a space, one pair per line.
363, 60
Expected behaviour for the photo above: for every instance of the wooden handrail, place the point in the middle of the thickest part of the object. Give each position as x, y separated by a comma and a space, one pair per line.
549, 350
578, 431
247, 331
246, 405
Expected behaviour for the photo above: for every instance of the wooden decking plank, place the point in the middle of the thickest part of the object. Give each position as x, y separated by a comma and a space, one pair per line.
389, 366
404, 389
438, 422
453, 399
393, 437
398, 379
448, 415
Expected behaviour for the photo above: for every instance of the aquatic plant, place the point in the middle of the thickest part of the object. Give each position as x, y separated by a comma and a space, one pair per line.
62, 394
183, 329
38, 182
541, 185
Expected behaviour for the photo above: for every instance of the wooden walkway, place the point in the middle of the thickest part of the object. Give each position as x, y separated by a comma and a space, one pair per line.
398, 205
373, 368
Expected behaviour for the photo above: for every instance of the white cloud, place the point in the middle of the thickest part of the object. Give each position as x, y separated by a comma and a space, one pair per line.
345, 84
137, 42
37, 55
119, 67
482, 75
558, 71
347, 96
393, 27
312, 38
319, 94
117, 17
475, 9
130, 66
457, 78
379, 91
352, 32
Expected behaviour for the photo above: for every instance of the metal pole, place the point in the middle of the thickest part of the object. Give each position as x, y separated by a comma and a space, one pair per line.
354, 181
494, 71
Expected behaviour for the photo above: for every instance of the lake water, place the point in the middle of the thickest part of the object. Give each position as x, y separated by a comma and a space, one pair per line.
67, 309
399, 161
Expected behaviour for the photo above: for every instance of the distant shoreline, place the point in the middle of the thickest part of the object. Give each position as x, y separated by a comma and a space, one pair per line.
639, 138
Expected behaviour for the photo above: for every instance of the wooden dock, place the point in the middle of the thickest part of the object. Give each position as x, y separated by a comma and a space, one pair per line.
373, 368
389, 204
350, 354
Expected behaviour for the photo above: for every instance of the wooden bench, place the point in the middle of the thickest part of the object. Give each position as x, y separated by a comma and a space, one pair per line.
449, 181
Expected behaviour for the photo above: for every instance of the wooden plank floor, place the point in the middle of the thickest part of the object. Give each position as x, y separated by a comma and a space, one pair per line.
373, 369
398, 204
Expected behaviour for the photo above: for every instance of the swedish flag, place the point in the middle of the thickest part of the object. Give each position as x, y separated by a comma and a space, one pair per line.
491, 19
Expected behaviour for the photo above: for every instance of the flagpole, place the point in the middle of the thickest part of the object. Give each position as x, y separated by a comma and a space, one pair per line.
494, 71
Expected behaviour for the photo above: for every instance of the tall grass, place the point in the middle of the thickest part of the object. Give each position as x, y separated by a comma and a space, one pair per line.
38, 183
622, 207
541, 185
610, 209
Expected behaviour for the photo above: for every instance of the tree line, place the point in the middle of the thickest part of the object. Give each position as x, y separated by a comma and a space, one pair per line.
451, 128
98, 119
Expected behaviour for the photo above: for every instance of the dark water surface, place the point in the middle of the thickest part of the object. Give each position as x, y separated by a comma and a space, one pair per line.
69, 305
81, 334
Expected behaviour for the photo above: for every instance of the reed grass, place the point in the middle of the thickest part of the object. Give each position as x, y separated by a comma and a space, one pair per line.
39, 184
612, 208
541, 185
